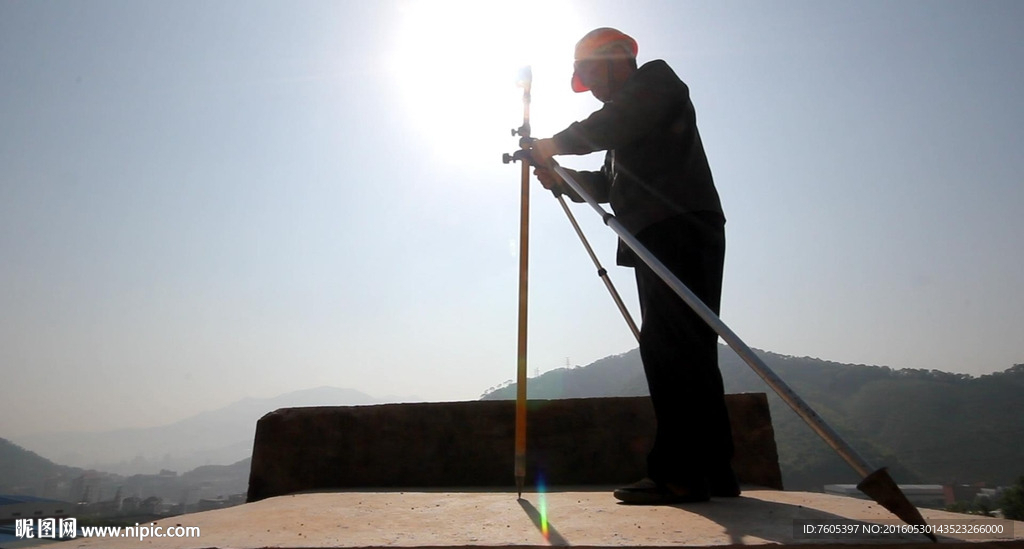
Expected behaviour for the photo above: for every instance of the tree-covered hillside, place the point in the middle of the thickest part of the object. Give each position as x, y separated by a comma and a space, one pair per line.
927, 426
25, 472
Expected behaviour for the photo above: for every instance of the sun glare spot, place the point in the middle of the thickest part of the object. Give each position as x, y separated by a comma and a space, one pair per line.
455, 64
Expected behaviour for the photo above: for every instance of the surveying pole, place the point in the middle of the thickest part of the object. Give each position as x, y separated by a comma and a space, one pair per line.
525, 80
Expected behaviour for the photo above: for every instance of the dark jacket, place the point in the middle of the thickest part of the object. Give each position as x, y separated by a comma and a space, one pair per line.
655, 167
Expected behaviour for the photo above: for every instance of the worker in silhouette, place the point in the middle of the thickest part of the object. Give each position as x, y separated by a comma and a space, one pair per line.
657, 179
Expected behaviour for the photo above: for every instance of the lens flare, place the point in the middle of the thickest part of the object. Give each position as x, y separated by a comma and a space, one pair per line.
542, 502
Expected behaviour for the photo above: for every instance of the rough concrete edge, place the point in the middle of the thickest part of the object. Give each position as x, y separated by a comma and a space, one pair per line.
773, 451
770, 478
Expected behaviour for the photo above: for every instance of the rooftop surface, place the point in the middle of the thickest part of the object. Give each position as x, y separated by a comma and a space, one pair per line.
581, 518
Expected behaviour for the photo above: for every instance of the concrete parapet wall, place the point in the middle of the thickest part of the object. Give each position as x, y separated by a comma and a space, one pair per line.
575, 442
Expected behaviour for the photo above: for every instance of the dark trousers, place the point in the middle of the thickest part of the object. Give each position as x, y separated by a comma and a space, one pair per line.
693, 443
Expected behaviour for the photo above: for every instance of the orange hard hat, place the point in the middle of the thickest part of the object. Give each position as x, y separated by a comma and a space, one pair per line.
604, 42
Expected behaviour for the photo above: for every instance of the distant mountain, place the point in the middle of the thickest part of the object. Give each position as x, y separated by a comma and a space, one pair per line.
217, 437
927, 426
25, 472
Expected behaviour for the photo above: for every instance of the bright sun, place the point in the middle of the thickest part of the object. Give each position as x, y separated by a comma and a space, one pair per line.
455, 64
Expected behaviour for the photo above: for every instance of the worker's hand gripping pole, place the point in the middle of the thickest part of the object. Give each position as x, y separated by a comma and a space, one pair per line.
878, 484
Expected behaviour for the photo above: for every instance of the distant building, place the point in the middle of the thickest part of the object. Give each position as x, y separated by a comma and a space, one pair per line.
13, 508
991, 494
932, 496
105, 508
962, 492
151, 505
131, 504
220, 502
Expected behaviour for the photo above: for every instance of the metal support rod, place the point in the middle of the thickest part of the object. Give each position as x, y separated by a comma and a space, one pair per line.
875, 481
730, 337
601, 272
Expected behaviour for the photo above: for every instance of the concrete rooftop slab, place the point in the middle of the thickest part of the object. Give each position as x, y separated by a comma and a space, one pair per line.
494, 519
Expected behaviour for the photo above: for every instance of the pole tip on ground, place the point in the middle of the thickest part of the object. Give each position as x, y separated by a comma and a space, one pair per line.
880, 487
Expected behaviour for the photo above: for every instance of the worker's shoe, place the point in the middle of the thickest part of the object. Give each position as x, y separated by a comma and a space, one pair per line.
649, 492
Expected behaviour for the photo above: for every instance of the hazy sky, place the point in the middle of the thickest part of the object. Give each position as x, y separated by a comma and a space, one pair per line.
201, 201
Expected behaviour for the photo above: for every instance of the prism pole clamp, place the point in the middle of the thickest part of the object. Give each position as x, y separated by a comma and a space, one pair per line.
877, 484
